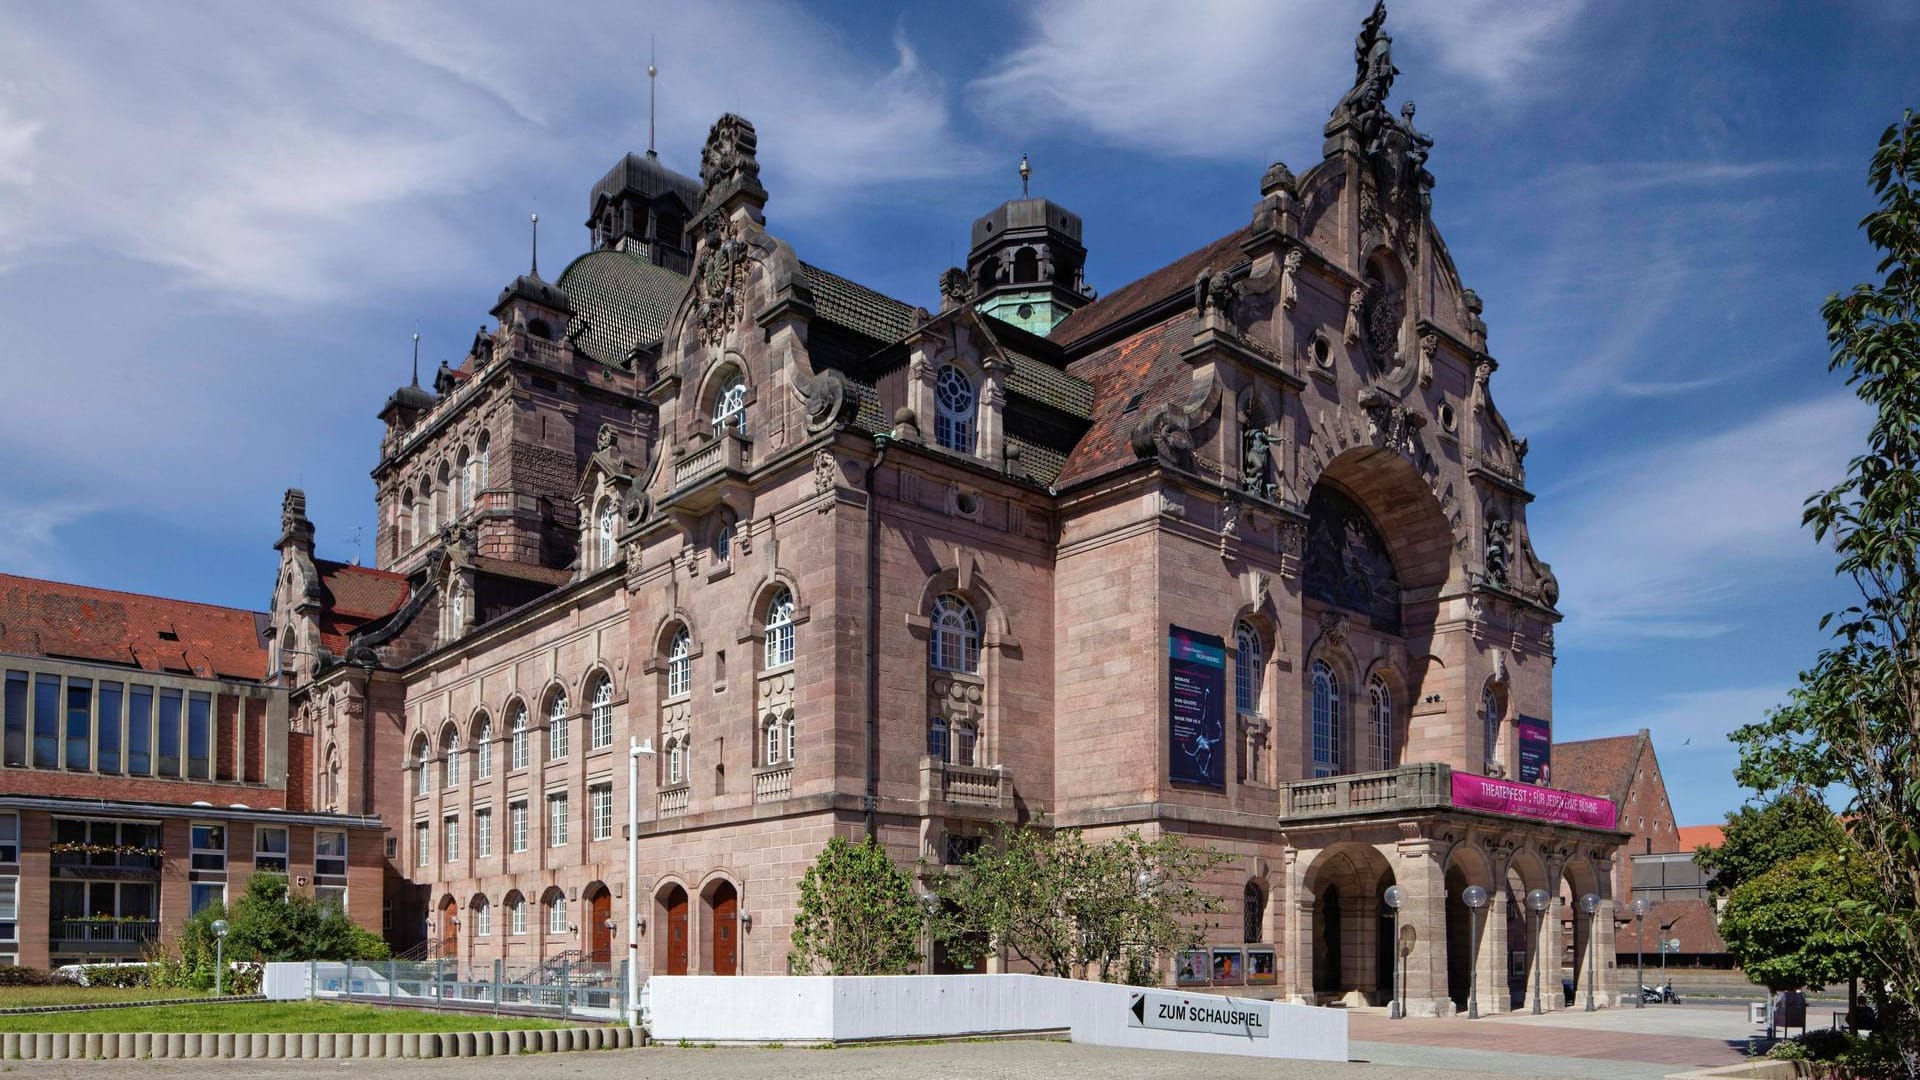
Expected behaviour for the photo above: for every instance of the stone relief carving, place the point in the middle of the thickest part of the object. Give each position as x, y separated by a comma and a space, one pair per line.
1290, 278
1482, 372
1499, 551
826, 471
1256, 463
1429, 343
955, 288
719, 280
1356, 305
829, 401
728, 162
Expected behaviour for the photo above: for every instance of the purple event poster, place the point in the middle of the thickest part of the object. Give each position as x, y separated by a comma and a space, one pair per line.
1536, 749
1196, 711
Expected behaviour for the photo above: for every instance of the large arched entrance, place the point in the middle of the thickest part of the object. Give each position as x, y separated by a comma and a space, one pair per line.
1459, 939
723, 944
1329, 975
673, 928
1352, 945
599, 925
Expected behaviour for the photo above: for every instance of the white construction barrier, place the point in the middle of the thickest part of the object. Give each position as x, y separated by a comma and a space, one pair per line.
818, 1009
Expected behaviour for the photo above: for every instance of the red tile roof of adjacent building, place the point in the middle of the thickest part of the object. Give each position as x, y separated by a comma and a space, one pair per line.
357, 595
1699, 836
1597, 766
1689, 920
1136, 296
78, 622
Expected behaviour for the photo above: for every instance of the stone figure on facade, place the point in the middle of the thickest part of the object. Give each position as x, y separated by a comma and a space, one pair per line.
1356, 303
1499, 554
1290, 278
1256, 463
728, 163
955, 289
1476, 326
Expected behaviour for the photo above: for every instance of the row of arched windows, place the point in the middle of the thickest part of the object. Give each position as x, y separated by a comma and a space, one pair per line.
1328, 724
444, 495
554, 904
479, 739
777, 651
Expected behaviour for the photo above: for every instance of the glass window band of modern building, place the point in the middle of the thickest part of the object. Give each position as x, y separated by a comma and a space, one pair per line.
76, 719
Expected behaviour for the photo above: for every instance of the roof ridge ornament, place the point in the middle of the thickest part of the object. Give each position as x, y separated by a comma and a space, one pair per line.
729, 165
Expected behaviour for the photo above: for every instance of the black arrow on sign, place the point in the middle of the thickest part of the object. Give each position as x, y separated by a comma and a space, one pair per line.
1140, 1007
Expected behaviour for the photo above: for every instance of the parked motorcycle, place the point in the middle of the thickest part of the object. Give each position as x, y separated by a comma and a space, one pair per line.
1659, 995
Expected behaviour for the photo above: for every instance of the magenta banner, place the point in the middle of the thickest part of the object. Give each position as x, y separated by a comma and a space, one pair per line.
1471, 792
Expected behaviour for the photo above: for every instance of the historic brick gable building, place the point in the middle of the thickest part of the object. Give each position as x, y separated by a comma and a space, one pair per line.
857, 567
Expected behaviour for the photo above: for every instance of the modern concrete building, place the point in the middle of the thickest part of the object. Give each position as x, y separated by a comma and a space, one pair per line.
1237, 552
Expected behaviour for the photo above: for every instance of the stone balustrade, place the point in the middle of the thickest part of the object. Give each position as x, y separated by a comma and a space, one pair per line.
1409, 788
772, 785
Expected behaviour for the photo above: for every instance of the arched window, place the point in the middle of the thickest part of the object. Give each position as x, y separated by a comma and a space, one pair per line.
444, 490
450, 747
604, 532
771, 743
723, 544
333, 779
954, 644
789, 735
482, 748
680, 664
1380, 722
1249, 668
1491, 714
937, 743
954, 408
465, 474
602, 735
730, 404
423, 782
1026, 266
516, 913
409, 524
1326, 720
426, 503
480, 463
557, 726
676, 761
779, 628
1254, 913
517, 758
557, 914
482, 917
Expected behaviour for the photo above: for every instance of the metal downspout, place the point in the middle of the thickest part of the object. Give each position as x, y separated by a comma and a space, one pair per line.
871, 801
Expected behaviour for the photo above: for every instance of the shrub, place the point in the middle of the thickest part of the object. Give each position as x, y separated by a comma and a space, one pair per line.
15, 975
119, 975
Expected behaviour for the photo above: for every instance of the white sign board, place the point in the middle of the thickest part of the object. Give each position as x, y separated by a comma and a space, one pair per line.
1205, 1013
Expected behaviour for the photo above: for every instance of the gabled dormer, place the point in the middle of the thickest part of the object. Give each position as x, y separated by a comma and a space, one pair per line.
606, 486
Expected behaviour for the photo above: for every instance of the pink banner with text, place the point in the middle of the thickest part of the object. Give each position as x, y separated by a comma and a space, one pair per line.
1471, 792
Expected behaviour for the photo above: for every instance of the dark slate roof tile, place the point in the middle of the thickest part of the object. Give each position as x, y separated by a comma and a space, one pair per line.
623, 300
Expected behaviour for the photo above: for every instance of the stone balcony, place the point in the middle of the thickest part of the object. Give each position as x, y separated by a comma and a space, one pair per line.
1408, 789
673, 802
772, 785
707, 471
965, 785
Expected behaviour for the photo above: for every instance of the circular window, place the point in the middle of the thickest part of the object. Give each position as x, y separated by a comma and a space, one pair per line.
1322, 350
1447, 419
1026, 311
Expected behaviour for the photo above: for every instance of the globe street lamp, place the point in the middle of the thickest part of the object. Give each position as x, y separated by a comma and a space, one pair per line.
1397, 1009
1475, 898
219, 953
1537, 902
636, 922
1640, 907
1590, 904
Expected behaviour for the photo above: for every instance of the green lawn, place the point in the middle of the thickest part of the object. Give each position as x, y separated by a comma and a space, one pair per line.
20, 997
269, 1016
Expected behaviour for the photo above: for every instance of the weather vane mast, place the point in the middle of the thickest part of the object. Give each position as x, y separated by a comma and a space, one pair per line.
652, 81
416, 356
536, 243
1026, 172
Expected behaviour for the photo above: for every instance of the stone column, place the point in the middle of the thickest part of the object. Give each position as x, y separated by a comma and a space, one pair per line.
1493, 992
1423, 906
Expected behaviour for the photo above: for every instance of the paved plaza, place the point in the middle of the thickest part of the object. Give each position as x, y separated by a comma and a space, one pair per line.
1621, 1044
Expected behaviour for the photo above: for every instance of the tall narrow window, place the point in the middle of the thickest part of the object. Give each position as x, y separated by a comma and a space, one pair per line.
602, 733
557, 819
450, 828
779, 628
482, 748
680, 664
676, 761
450, 748
557, 914
480, 464
107, 733
463, 477
517, 827
140, 730
1254, 913
605, 531
1326, 720
427, 509
954, 644
1249, 666
16, 706
483, 833
938, 745
789, 725
771, 730
1380, 722
600, 798
730, 404
199, 735
518, 758
1490, 714
965, 739
79, 723
482, 918
423, 762
954, 406
557, 726
169, 739
516, 914
46, 721
422, 844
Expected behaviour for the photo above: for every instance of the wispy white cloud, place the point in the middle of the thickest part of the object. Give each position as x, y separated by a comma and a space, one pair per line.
1659, 542
1224, 78
1690, 730
28, 530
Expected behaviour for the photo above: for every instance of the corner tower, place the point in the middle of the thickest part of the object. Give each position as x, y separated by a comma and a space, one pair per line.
1027, 265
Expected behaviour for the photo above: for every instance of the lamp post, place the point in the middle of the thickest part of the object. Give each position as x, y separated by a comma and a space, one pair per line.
219, 953
1537, 902
1475, 898
1590, 904
636, 924
1639, 907
1397, 1010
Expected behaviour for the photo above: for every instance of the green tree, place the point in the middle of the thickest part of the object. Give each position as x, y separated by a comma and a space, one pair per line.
1761, 837
1060, 903
267, 923
1854, 721
1783, 926
858, 914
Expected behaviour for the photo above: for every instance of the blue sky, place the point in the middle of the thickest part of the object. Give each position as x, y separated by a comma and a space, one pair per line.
220, 223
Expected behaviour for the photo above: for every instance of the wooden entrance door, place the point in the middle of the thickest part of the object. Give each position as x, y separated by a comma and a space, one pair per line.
449, 929
726, 930
677, 931
600, 913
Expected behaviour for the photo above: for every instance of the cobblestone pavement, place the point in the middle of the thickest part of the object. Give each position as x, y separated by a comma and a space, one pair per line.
1628, 1043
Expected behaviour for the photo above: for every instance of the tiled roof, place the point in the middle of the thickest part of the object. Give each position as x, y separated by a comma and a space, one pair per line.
545, 575
61, 621
1692, 837
624, 301
1136, 296
1041, 463
858, 308
1042, 382
1689, 920
1597, 766
1142, 371
361, 592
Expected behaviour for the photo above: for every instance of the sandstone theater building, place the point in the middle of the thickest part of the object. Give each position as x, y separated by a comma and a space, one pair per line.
858, 567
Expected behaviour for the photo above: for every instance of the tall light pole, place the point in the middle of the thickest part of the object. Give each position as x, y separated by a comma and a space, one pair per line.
1475, 898
1537, 902
635, 750
1590, 904
1398, 1009
1639, 907
219, 953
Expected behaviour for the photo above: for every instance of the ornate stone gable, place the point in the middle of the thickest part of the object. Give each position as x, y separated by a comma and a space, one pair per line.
720, 280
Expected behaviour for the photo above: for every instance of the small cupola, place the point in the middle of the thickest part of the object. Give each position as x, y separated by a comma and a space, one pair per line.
1027, 264
535, 304
643, 207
